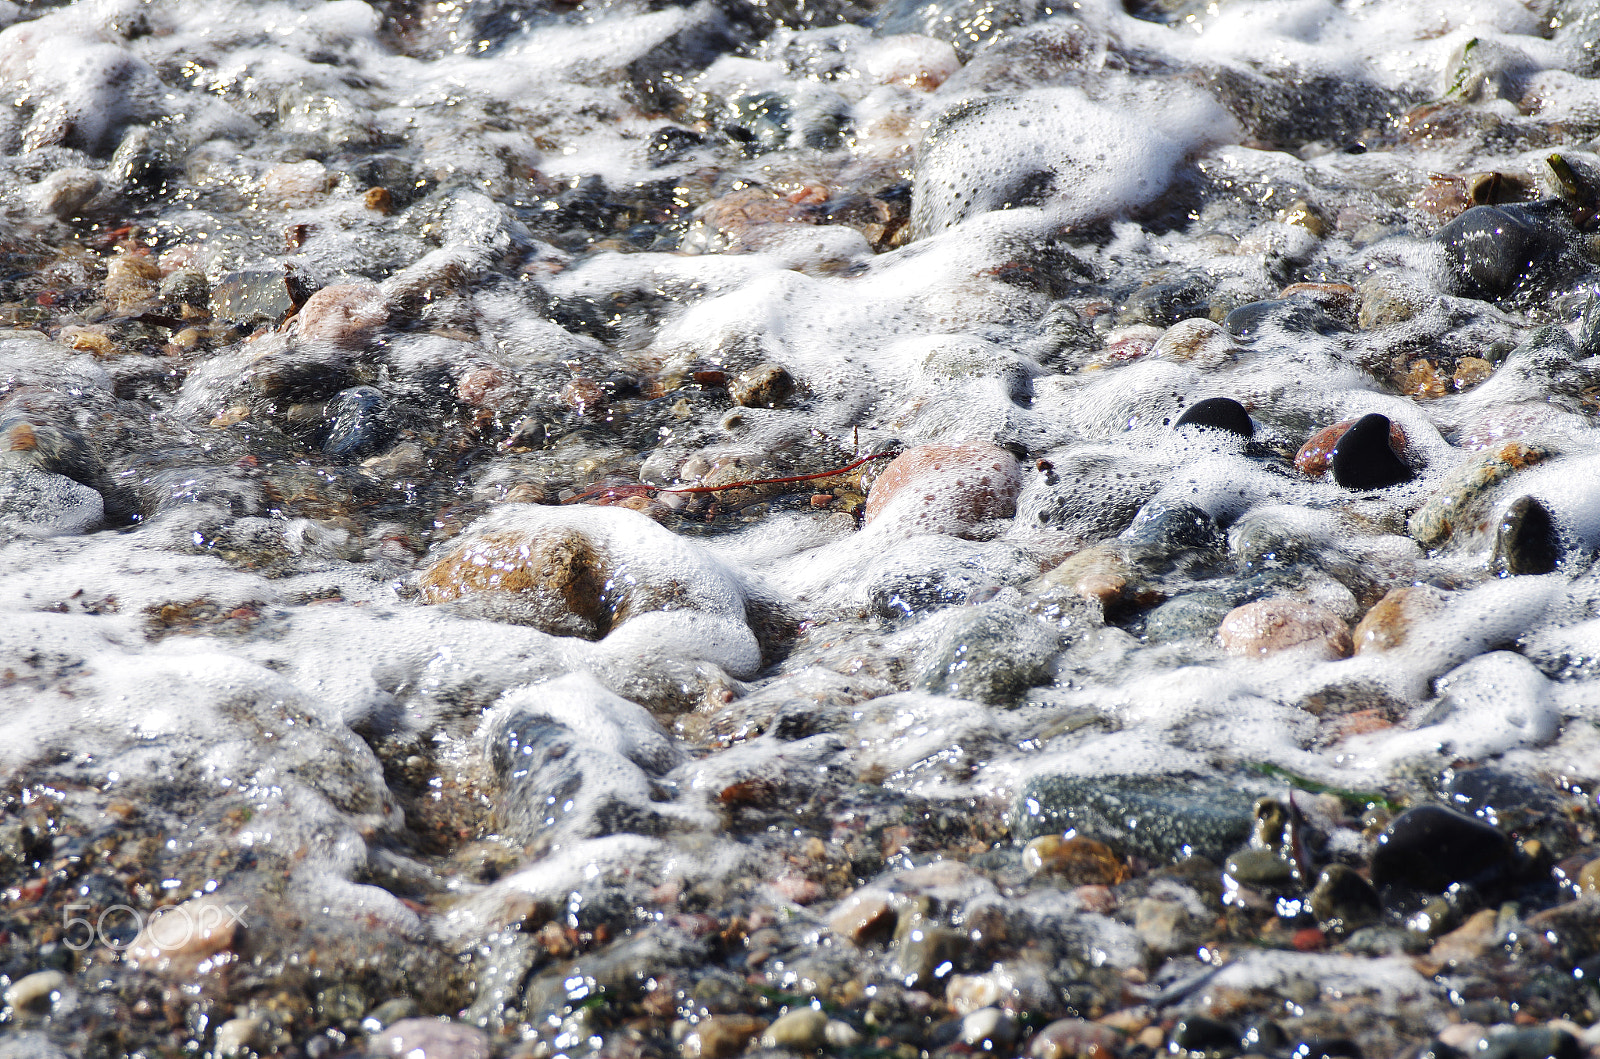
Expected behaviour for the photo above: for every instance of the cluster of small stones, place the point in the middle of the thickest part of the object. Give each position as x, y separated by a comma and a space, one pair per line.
901, 927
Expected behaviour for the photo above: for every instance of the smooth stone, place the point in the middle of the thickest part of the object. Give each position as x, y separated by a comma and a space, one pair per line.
36, 991
1526, 541
1186, 617
1201, 343
1468, 943
1445, 511
1589, 878
345, 314
989, 1029
945, 488
190, 936
1312, 459
430, 1039
1327, 1048
1076, 1039
1076, 860
1169, 301
1430, 848
389, 1012
862, 915
1290, 315
1388, 624
259, 297
989, 653
1343, 901
64, 193
1218, 413
1263, 869
1157, 817
1531, 1042
40, 504
359, 423
764, 386
721, 1036
238, 1036
1496, 249
1363, 458
800, 1030
1387, 299
1164, 926
840, 1034
1269, 626
924, 952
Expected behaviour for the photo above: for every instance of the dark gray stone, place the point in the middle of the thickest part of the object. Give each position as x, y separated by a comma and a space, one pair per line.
989, 653
1160, 818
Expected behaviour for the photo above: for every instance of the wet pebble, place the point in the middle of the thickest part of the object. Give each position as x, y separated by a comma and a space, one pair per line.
990, 1029
1076, 1039
945, 489
1429, 848
359, 423
1526, 540
1497, 249
197, 934
1363, 457
430, 1039
1312, 459
1160, 818
1343, 901
1451, 507
721, 1036
1218, 413
346, 314
1273, 625
1389, 623
35, 992
1073, 859
64, 193
239, 1036
801, 1030
989, 653
764, 386
1199, 342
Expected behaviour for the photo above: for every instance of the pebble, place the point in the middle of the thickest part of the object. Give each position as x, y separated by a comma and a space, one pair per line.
1076, 1039
1158, 817
359, 423
1218, 413
1471, 941
1165, 926
1076, 860
1390, 621
344, 314
764, 386
1312, 459
419, 1038
989, 1029
190, 937
989, 653
799, 1030
1498, 249
239, 1036
1363, 457
1199, 342
64, 193
294, 185
1343, 901
35, 992
1452, 505
945, 489
1429, 848
1526, 540
581, 571
862, 915
1269, 626
721, 1036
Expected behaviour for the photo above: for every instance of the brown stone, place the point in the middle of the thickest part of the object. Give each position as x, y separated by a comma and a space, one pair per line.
721, 1036
559, 578
346, 314
1272, 625
1077, 860
1387, 624
862, 915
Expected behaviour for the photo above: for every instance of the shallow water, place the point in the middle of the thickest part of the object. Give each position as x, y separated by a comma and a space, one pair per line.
454, 520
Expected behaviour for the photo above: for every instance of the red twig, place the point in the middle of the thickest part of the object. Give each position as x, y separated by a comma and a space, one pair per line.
642, 488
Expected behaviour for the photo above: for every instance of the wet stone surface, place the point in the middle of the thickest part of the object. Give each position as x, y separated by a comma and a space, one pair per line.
894, 530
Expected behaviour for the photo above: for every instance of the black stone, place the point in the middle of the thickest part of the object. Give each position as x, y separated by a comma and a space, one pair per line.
1497, 249
1526, 541
359, 423
1431, 848
1362, 458
1200, 1034
1219, 413
1291, 315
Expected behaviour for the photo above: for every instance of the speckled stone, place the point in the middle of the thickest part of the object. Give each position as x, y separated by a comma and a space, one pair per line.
1444, 512
1160, 818
946, 488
